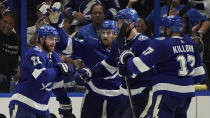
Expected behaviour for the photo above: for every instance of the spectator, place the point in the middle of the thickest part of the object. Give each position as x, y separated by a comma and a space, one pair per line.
2, 10
67, 24
14, 6
81, 9
193, 15
32, 31
9, 49
143, 7
97, 17
143, 28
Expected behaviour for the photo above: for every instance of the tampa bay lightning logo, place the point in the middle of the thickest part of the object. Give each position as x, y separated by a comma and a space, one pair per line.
47, 87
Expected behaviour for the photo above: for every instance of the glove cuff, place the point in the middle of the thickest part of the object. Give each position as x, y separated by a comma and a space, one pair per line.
125, 55
89, 73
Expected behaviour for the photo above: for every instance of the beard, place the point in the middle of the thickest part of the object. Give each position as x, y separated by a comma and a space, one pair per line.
47, 47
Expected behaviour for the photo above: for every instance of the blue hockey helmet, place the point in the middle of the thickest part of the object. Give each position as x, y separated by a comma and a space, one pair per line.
174, 22
47, 30
128, 14
109, 25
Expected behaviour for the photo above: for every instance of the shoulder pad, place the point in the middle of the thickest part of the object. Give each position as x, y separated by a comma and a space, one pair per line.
36, 48
160, 38
142, 37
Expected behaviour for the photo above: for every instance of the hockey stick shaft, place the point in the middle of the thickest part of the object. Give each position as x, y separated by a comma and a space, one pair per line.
130, 97
119, 40
169, 8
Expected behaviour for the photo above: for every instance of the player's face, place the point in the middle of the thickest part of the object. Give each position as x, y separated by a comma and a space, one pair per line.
49, 43
107, 37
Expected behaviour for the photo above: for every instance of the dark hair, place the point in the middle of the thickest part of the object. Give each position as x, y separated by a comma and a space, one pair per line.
97, 4
148, 32
68, 16
10, 13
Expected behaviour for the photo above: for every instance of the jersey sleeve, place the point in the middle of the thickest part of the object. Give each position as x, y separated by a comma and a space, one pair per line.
63, 40
198, 72
108, 66
76, 47
154, 53
69, 8
113, 7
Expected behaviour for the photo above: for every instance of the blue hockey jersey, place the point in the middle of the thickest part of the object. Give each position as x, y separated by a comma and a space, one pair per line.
84, 6
38, 77
91, 52
110, 65
192, 14
87, 31
177, 62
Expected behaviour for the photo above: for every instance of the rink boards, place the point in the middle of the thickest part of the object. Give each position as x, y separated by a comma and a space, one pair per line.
199, 107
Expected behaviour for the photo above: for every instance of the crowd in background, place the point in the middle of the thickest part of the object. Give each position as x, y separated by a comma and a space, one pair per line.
79, 19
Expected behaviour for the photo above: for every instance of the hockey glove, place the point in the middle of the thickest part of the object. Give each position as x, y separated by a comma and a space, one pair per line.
82, 76
55, 17
64, 68
65, 109
123, 69
125, 55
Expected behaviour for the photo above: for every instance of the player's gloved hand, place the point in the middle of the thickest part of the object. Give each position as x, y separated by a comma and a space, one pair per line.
65, 109
64, 68
55, 16
82, 76
123, 69
125, 55
125, 72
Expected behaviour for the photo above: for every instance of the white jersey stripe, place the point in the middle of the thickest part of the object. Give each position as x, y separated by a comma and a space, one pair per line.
68, 50
140, 64
110, 93
14, 112
110, 68
59, 84
133, 91
149, 104
156, 107
37, 72
198, 71
29, 102
173, 88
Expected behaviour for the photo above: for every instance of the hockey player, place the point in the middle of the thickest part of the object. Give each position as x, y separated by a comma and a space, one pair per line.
178, 67
136, 43
194, 17
103, 96
41, 70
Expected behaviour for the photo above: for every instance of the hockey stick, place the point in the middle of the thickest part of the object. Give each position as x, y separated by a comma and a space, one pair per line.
169, 8
120, 41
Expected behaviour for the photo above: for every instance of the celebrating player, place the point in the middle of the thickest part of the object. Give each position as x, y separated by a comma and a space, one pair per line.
41, 72
178, 67
134, 42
